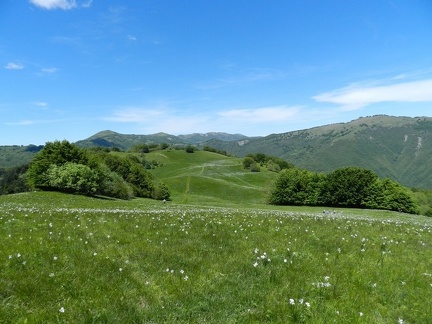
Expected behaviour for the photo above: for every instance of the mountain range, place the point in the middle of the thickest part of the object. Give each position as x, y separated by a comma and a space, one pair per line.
399, 148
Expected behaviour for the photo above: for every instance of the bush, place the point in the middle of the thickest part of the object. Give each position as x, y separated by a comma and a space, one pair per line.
72, 177
190, 149
247, 162
254, 167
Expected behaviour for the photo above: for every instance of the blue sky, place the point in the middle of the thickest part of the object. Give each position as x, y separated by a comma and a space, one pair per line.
71, 68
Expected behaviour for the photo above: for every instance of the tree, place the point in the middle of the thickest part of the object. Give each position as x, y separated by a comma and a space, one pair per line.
272, 166
297, 187
190, 149
397, 198
348, 187
254, 167
13, 180
73, 177
54, 153
140, 148
247, 162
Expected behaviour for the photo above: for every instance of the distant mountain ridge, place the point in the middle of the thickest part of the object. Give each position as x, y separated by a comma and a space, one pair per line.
109, 138
396, 147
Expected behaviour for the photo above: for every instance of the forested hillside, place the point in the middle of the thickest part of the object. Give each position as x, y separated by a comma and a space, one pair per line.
396, 147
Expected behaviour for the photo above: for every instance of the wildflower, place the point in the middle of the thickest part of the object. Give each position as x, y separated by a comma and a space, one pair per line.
361, 313
292, 301
51, 274
400, 321
307, 304
186, 278
120, 269
255, 264
95, 253
55, 258
18, 255
285, 260
62, 310
182, 271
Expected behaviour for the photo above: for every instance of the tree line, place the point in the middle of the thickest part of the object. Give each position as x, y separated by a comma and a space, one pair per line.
350, 187
254, 162
62, 166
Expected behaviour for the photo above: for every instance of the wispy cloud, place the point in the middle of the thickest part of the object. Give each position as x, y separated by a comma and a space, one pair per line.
29, 122
179, 121
87, 4
49, 70
261, 115
14, 66
41, 104
251, 76
55, 4
61, 4
134, 115
355, 97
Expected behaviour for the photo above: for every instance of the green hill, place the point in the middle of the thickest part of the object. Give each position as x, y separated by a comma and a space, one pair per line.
396, 147
17, 155
210, 178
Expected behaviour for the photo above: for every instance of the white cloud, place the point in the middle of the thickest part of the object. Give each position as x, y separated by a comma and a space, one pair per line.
41, 104
49, 70
262, 115
131, 38
87, 4
61, 4
355, 97
134, 115
14, 66
164, 118
243, 77
22, 123
55, 4
28, 122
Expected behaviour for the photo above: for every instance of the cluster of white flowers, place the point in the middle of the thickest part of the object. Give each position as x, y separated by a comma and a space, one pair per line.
301, 301
322, 284
182, 273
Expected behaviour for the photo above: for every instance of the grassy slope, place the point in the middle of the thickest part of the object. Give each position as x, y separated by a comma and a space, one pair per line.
209, 178
67, 258
71, 259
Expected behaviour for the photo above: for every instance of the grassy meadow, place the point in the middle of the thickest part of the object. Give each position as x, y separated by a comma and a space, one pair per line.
215, 253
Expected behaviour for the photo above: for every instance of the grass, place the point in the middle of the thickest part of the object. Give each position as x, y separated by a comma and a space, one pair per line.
208, 178
73, 259
216, 253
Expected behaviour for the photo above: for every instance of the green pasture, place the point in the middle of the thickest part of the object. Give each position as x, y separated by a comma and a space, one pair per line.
209, 178
215, 253
75, 259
